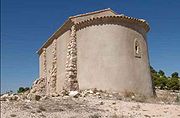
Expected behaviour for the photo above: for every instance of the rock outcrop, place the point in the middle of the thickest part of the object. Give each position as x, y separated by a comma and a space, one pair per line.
39, 87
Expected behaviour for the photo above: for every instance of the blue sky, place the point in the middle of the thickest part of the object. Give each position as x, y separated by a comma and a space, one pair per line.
27, 24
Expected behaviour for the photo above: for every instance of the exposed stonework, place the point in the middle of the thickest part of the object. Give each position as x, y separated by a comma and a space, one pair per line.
44, 63
71, 64
40, 85
53, 71
105, 57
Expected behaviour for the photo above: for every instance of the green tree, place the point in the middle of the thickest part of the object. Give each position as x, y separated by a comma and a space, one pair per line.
161, 82
152, 70
161, 73
175, 75
173, 84
22, 89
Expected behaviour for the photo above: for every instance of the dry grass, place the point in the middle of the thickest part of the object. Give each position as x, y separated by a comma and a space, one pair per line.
166, 97
140, 98
128, 94
116, 116
95, 116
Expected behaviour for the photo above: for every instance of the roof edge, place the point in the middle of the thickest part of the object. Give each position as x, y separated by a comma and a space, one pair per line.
94, 12
55, 35
66, 25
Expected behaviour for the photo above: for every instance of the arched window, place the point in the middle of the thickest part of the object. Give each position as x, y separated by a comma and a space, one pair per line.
137, 48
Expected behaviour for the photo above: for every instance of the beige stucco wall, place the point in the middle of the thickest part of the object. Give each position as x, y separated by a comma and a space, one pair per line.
49, 57
62, 43
106, 59
48, 64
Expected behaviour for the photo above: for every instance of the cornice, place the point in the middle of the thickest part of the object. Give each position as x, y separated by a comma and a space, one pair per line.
118, 19
91, 13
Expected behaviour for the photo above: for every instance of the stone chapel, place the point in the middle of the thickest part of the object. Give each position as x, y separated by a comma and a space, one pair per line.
100, 49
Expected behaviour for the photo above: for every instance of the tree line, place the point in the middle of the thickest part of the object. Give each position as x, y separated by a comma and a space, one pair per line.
163, 82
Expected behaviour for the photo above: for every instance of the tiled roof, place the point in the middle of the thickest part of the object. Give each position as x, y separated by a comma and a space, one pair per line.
70, 22
95, 12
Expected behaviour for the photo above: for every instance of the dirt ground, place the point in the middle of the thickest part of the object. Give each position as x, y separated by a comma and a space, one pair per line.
94, 106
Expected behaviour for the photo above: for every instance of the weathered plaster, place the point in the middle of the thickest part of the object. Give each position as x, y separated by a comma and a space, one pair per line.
97, 50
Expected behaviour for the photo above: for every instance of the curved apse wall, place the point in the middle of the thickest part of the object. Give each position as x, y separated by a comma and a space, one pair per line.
107, 58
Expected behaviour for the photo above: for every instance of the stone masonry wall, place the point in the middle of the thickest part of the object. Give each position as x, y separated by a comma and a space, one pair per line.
71, 82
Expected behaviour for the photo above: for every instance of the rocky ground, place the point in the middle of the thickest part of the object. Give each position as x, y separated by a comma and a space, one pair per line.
91, 104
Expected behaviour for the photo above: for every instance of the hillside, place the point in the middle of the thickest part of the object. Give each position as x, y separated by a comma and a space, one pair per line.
92, 104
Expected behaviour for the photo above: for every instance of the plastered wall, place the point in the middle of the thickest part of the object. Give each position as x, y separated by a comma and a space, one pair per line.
62, 43
106, 59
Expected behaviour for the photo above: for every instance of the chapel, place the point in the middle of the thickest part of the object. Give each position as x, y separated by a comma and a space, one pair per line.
100, 49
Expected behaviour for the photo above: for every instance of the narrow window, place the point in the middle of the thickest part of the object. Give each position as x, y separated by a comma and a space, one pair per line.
137, 49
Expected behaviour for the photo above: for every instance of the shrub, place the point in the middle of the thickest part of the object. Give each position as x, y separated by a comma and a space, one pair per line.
128, 94
161, 73
161, 81
175, 75
152, 70
22, 89
95, 116
173, 84
177, 99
